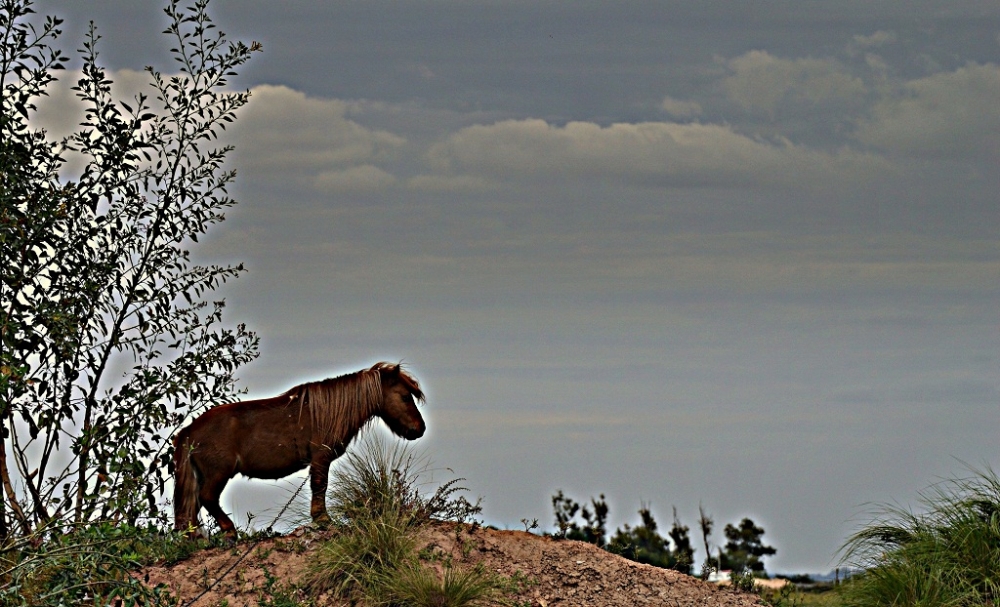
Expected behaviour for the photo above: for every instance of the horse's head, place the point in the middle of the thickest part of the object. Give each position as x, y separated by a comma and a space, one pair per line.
400, 392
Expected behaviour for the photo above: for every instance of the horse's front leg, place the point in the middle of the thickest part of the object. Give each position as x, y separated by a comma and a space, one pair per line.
319, 474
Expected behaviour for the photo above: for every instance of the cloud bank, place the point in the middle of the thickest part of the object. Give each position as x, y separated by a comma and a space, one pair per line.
659, 154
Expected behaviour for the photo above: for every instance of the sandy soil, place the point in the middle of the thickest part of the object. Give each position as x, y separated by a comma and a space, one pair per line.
558, 572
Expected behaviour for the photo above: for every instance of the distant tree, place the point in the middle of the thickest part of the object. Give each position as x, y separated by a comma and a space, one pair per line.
683, 552
745, 548
706, 524
643, 543
593, 530
109, 336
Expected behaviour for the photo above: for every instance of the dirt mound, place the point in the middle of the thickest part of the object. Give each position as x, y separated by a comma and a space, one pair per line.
552, 572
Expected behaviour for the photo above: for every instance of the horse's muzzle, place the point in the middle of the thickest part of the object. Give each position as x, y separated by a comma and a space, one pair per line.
415, 433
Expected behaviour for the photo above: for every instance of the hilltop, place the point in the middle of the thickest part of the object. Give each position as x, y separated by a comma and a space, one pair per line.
543, 571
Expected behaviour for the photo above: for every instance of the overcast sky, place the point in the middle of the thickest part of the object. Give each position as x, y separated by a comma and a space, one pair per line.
737, 254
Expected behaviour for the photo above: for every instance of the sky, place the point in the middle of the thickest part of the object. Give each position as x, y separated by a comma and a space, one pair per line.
730, 254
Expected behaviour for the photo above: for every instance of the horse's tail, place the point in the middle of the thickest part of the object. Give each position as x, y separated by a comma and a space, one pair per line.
186, 504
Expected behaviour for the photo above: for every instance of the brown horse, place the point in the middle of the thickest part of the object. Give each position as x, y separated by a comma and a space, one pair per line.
310, 425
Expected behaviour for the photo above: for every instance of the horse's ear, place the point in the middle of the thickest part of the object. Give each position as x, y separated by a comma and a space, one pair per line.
397, 368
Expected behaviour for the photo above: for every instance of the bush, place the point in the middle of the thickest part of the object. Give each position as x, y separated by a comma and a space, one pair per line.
73, 565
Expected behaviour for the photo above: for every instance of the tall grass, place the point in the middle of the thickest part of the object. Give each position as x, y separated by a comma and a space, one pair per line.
377, 507
361, 557
946, 555
382, 476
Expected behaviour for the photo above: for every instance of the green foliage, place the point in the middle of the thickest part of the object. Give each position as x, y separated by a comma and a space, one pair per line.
947, 555
745, 548
98, 560
97, 276
108, 339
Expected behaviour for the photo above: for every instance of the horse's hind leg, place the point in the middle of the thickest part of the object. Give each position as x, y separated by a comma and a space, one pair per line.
211, 490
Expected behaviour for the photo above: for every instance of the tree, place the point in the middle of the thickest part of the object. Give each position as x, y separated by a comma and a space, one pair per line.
642, 543
109, 337
745, 548
683, 551
593, 531
706, 523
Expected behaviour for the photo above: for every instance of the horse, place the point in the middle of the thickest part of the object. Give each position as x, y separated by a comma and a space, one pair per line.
309, 425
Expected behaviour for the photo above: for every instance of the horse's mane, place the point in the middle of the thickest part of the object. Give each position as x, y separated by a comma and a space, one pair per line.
340, 406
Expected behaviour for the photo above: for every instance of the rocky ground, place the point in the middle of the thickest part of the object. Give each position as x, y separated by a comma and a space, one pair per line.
552, 572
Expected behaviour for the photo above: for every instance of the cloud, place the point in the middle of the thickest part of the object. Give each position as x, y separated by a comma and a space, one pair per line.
449, 183
283, 134
761, 82
651, 153
363, 178
879, 38
680, 109
948, 114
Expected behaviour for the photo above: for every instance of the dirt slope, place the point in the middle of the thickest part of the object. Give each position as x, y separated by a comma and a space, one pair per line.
561, 572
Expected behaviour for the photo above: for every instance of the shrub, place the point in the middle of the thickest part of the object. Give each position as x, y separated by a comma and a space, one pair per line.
74, 564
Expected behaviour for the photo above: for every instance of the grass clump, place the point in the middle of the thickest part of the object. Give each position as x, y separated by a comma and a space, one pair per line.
379, 476
377, 507
360, 558
456, 587
948, 555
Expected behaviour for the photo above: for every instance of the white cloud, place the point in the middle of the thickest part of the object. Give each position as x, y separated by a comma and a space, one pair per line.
283, 134
948, 114
651, 153
362, 178
761, 82
679, 108
449, 183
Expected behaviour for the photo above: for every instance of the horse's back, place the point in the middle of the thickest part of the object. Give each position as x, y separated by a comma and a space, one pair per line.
268, 438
